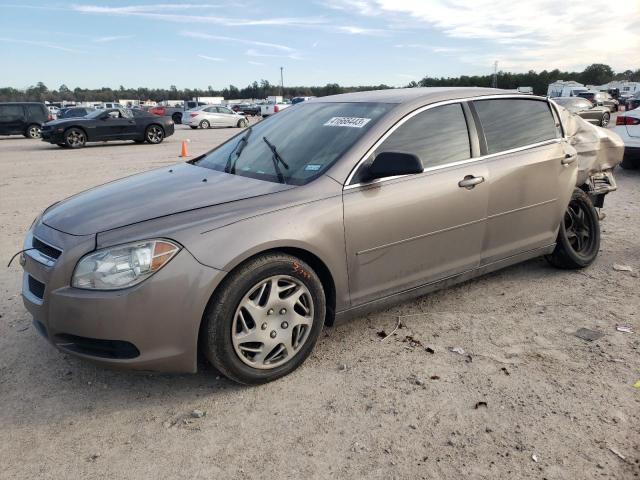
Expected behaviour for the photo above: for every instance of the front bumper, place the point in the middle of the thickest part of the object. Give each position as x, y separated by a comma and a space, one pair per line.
52, 136
151, 326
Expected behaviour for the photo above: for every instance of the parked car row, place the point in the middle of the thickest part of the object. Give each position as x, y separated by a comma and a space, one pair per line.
584, 108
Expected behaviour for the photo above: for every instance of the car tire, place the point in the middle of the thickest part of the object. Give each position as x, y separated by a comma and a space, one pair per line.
272, 318
75, 138
154, 134
204, 124
578, 239
606, 118
33, 131
242, 123
177, 118
194, 127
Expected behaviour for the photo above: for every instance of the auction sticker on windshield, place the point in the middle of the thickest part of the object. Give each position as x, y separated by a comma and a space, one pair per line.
352, 122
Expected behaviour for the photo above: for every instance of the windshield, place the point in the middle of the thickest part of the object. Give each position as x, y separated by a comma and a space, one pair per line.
308, 138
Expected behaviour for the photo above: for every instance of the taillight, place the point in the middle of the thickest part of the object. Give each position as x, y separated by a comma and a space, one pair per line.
276, 109
622, 120
49, 117
193, 115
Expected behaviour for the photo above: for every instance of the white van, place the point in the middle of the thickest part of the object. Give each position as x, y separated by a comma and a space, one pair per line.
563, 88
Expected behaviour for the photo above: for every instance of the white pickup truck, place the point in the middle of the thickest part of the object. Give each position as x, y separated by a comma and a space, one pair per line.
271, 108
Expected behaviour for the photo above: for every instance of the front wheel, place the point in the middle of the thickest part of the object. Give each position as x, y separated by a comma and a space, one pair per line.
265, 319
578, 239
75, 138
205, 124
604, 121
154, 134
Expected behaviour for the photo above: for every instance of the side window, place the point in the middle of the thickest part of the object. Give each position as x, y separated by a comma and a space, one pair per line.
210, 110
11, 112
512, 123
437, 136
36, 111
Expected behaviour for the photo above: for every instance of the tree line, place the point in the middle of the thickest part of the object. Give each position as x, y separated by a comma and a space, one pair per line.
596, 74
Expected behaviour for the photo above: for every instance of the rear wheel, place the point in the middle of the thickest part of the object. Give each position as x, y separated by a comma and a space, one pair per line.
204, 124
154, 134
75, 138
242, 123
265, 319
579, 235
177, 118
194, 127
33, 131
604, 121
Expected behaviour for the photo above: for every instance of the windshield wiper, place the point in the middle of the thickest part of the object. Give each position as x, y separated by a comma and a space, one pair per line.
276, 158
231, 164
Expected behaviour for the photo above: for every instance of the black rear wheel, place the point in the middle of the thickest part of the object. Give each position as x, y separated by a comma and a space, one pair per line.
177, 118
154, 134
578, 240
33, 131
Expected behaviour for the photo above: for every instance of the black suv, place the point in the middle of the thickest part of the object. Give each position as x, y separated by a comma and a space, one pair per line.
24, 118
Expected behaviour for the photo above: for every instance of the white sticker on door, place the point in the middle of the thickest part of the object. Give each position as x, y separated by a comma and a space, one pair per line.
352, 122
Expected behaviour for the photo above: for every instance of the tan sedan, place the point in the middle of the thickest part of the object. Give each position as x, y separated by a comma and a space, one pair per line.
331, 208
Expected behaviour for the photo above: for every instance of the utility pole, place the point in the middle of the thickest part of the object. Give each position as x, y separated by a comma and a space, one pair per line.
281, 83
494, 80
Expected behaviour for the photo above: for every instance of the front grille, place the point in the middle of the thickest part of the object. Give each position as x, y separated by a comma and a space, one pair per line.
36, 287
45, 249
117, 349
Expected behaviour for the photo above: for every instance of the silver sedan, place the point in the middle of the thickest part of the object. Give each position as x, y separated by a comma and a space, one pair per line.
215, 116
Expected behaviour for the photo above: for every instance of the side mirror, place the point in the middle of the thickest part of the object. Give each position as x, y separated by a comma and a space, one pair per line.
390, 164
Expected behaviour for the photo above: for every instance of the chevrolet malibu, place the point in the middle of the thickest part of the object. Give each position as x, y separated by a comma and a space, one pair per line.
333, 207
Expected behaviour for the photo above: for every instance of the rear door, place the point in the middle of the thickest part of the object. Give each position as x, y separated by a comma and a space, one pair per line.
532, 173
12, 119
408, 231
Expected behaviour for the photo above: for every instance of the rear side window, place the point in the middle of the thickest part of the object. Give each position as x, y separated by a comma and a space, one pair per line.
11, 112
513, 123
36, 111
437, 136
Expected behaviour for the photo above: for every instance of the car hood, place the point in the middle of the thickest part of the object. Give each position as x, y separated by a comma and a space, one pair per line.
150, 195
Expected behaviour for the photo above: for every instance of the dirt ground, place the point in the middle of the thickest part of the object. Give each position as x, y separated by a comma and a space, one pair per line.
527, 399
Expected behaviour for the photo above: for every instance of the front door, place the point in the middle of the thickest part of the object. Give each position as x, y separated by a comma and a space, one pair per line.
409, 231
12, 119
532, 175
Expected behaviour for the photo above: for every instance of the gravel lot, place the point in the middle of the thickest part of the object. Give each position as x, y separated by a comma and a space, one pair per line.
527, 399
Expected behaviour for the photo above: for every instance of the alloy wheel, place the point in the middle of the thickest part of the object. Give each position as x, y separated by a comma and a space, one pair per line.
605, 120
34, 131
204, 124
155, 134
75, 138
272, 322
578, 227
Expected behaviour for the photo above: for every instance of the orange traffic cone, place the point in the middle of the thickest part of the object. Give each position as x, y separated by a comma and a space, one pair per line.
183, 150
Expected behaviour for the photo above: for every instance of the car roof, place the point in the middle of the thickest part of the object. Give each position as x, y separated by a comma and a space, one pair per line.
411, 95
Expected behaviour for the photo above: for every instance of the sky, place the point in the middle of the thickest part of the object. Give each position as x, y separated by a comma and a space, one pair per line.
196, 44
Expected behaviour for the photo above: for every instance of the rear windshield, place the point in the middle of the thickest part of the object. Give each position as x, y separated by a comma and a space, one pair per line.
308, 137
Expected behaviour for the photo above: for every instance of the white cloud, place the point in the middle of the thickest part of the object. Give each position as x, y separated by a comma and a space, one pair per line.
260, 64
34, 43
151, 12
534, 34
112, 39
257, 53
211, 59
206, 36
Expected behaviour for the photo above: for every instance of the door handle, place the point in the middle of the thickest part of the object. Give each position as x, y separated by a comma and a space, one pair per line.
569, 159
470, 181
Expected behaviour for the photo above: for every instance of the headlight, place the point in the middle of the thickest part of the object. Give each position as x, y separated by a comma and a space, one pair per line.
122, 266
